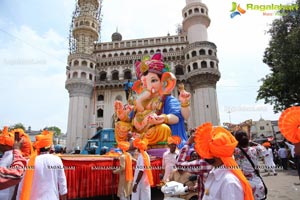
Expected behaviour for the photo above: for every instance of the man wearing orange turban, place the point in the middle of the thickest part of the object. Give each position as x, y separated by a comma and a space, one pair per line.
268, 158
11, 167
6, 142
142, 175
45, 177
225, 180
169, 157
125, 172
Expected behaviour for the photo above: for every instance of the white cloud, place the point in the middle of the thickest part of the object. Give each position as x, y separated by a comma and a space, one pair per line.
33, 76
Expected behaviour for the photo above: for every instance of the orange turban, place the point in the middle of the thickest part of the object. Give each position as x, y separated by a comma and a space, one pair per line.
26, 146
123, 145
220, 143
266, 144
174, 140
128, 160
289, 124
6, 137
142, 146
44, 140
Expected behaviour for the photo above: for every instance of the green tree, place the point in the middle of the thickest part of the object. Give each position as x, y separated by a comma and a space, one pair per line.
56, 130
281, 88
18, 125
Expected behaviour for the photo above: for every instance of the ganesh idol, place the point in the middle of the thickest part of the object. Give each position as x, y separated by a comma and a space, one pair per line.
155, 113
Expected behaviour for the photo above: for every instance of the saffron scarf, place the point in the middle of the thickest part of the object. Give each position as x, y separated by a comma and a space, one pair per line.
142, 146
43, 140
124, 146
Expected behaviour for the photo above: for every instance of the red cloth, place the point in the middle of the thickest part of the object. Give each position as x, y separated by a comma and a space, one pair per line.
92, 178
12, 175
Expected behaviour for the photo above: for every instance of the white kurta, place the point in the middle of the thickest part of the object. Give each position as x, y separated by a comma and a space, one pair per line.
49, 179
269, 158
222, 184
6, 161
168, 163
143, 191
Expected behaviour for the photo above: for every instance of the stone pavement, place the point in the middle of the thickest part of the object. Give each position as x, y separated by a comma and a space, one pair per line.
281, 187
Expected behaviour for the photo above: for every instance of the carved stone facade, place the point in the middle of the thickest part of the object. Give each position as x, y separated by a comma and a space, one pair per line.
97, 72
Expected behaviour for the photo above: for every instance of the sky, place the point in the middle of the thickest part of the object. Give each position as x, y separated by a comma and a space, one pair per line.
34, 50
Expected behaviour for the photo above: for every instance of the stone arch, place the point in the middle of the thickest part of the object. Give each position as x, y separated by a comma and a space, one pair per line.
212, 64
196, 10
100, 113
202, 52
194, 53
127, 74
91, 65
189, 68
103, 76
100, 97
75, 75
84, 63
195, 65
179, 70
76, 62
83, 75
203, 64
115, 75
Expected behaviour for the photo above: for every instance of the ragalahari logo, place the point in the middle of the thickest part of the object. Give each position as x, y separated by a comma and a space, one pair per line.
236, 10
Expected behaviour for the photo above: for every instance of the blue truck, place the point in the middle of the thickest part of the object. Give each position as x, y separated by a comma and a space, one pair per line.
101, 142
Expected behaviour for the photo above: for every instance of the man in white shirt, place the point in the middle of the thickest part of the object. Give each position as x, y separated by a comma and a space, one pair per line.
283, 155
45, 177
225, 181
170, 157
143, 178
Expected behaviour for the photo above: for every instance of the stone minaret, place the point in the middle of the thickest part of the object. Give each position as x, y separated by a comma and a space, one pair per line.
201, 64
81, 72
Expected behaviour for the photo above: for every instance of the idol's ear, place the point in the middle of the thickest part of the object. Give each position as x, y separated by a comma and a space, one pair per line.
137, 87
168, 81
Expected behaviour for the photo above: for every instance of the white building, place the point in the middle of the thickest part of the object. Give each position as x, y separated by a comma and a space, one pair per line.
96, 72
263, 129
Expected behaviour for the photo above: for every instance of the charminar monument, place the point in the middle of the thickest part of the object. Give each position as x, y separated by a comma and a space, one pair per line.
97, 71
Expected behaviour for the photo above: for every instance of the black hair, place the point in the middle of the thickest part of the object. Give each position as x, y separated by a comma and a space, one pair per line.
242, 138
44, 149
